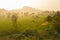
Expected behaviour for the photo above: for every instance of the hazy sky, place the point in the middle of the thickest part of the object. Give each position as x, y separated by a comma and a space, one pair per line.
39, 4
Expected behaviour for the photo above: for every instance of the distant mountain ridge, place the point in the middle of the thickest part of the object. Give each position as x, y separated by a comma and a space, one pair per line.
27, 9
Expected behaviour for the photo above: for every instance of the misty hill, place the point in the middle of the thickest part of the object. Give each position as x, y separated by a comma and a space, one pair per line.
26, 9
3, 12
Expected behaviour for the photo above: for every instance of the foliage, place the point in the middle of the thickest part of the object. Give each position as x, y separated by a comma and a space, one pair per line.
29, 27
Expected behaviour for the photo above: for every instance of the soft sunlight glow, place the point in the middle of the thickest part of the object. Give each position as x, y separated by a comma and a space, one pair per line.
38, 4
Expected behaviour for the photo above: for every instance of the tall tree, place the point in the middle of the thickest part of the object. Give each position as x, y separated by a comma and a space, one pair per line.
57, 21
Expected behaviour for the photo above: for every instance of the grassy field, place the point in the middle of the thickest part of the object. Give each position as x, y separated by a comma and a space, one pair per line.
27, 28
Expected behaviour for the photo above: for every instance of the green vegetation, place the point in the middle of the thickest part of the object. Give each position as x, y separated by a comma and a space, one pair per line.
30, 27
